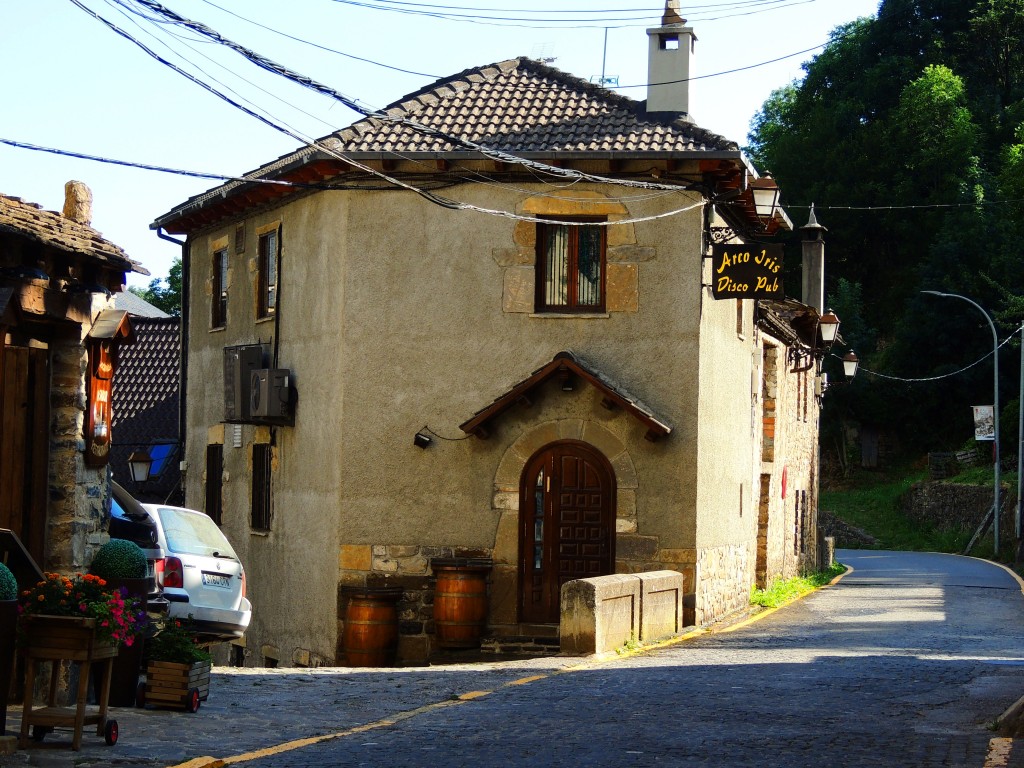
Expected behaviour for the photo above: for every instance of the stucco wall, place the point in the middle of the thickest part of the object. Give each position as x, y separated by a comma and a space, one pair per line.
396, 314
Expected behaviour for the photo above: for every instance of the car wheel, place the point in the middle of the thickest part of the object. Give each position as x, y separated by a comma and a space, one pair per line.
39, 732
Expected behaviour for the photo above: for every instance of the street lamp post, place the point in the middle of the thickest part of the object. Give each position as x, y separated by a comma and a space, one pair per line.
995, 409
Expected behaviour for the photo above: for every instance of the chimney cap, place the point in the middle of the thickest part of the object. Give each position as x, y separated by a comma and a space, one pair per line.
812, 223
671, 15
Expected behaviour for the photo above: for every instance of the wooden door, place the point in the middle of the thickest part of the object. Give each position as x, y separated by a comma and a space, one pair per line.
567, 525
24, 445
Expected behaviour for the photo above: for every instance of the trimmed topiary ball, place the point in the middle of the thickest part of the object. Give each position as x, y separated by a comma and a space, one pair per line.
8, 584
119, 559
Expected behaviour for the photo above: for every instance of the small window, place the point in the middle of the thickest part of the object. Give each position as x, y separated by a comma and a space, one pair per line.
267, 274
219, 305
570, 268
260, 518
214, 481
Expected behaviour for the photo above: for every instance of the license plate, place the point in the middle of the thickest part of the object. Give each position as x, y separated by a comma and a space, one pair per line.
216, 580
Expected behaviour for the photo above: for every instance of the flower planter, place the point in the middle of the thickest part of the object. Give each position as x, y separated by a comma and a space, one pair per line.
172, 684
57, 639
124, 680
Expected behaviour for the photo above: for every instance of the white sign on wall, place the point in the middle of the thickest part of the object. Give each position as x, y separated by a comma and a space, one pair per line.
984, 423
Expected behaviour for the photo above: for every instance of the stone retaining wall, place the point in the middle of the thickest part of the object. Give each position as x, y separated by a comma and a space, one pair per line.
954, 506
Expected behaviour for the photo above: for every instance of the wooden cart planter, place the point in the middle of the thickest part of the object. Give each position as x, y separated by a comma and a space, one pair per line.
171, 684
57, 639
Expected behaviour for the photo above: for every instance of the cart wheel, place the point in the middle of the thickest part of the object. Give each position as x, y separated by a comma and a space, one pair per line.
140, 695
110, 733
39, 732
192, 700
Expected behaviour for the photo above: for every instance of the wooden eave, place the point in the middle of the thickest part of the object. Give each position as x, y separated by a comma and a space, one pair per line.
566, 365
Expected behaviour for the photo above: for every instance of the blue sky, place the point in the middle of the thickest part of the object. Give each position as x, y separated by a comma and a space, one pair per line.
71, 83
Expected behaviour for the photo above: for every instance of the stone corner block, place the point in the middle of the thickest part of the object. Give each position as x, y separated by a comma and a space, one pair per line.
599, 614
661, 604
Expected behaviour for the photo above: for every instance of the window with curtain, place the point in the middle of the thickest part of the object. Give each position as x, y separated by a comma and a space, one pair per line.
570, 268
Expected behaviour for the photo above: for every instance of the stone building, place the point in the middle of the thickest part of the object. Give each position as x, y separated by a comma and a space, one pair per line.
481, 324
60, 341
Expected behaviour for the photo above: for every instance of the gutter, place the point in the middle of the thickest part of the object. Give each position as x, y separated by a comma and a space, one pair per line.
183, 342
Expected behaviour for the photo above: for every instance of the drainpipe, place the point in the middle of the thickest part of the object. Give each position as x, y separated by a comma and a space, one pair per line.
183, 341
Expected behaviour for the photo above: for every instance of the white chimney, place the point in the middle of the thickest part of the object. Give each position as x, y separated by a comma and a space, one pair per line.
78, 202
670, 51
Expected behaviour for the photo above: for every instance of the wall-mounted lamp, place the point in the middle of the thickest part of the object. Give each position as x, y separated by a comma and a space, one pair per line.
850, 363
139, 465
766, 198
421, 440
828, 326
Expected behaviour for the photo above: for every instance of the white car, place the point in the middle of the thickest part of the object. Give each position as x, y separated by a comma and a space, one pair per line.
200, 576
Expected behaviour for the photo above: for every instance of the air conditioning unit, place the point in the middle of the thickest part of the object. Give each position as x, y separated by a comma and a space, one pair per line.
239, 363
270, 396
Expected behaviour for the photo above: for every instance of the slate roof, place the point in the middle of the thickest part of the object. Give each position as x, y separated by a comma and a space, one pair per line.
136, 305
145, 389
519, 106
50, 228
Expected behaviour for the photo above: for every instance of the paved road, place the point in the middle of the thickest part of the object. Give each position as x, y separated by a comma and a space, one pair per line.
905, 662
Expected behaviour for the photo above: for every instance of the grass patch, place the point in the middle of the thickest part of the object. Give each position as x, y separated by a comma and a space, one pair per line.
783, 591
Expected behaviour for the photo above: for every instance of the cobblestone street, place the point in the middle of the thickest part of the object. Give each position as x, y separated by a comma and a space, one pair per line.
905, 662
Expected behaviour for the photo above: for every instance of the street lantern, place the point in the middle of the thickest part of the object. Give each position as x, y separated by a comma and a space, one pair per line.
766, 198
139, 464
828, 326
850, 363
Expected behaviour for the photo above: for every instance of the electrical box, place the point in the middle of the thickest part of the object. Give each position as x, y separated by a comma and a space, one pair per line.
239, 363
270, 396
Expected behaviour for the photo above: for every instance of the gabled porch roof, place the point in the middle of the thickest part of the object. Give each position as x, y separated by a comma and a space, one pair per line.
566, 366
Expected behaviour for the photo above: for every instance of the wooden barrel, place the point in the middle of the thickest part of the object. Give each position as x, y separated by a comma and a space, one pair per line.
370, 638
460, 602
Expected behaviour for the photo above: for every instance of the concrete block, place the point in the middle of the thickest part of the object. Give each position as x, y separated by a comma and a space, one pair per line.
661, 605
599, 614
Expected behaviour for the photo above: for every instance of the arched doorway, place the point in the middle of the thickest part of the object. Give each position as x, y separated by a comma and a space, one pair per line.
566, 525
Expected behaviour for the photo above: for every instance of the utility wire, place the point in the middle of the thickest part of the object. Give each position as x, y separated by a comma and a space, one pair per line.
979, 361
307, 82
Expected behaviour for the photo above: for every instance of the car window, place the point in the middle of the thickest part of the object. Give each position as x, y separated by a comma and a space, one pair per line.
192, 533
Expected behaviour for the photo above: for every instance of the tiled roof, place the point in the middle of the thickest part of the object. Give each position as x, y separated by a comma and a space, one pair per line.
145, 390
568, 363
50, 228
519, 106
523, 106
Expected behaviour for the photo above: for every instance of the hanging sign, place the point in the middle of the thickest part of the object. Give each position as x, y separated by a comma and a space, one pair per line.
750, 271
97, 420
984, 422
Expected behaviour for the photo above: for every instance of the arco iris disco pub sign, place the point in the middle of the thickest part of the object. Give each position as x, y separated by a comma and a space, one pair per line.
747, 271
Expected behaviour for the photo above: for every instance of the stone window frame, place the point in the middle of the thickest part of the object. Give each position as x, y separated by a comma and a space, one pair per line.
574, 232
623, 254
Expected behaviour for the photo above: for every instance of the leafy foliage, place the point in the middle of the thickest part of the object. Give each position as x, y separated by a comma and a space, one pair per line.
164, 293
8, 584
119, 559
782, 591
907, 132
119, 618
175, 641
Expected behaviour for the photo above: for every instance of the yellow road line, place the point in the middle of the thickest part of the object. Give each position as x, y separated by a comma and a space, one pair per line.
998, 752
288, 746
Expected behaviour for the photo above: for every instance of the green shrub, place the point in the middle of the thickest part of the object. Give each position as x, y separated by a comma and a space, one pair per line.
175, 641
8, 584
119, 559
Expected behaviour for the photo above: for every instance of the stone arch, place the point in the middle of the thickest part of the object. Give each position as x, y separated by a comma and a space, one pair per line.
505, 497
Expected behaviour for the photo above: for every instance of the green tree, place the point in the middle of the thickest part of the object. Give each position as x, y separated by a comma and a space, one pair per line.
164, 293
